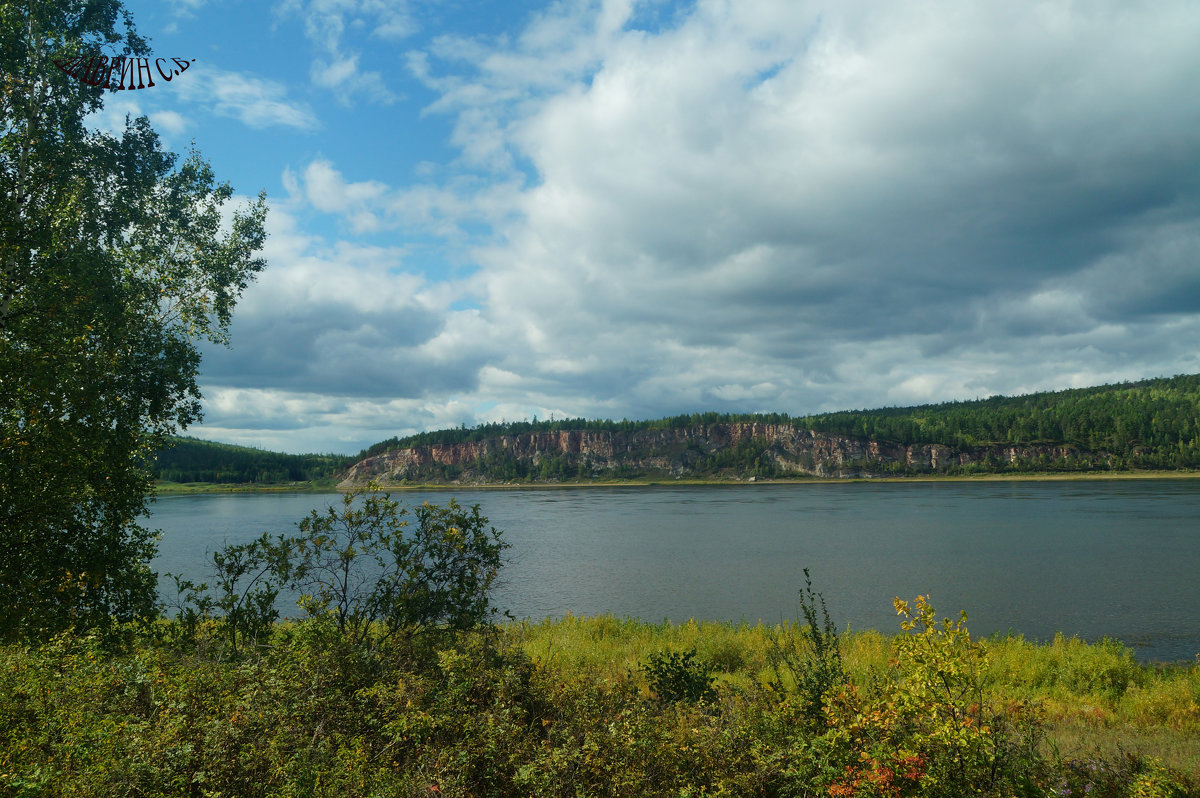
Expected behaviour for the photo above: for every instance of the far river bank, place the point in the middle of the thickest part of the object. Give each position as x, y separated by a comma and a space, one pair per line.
176, 488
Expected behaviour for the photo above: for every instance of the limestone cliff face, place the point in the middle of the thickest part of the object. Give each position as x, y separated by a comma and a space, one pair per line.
680, 451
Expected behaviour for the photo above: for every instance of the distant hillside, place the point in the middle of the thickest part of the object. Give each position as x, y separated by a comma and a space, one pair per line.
1147, 424
1151, 424
194, 460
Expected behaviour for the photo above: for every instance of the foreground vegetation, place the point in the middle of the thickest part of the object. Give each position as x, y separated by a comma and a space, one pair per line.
397, 681
594, 706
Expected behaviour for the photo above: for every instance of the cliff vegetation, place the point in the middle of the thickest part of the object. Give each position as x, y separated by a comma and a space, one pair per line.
1147, 425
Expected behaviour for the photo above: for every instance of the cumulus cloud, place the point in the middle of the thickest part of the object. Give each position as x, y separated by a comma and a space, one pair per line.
767, 205
256, 102
444, 210
766, 183
341, 320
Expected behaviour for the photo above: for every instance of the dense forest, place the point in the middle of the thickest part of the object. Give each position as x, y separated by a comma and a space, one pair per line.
1147, 424
194, 460
1150, 424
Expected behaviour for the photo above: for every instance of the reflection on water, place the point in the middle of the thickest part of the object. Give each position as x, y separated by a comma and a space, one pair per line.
1093, 559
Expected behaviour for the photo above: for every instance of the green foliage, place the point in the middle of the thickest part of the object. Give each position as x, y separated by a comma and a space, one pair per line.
191, 608
1146, 424
495, 712
191, 460
1130, 775
367, 565
451, 563
679, 676
927, 727
364, 568
346, 561
248, 578
113, 264
1104, 670
812, 668
1150, 424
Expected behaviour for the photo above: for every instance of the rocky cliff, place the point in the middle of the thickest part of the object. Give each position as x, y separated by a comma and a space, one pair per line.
734, 450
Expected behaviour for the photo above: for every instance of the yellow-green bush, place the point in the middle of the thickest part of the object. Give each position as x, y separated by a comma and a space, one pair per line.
562, 708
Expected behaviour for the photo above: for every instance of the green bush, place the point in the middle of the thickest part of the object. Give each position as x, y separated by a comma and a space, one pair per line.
368, 567
363, 566
926, 727
312, 711
679, 676
248, 579
811, 665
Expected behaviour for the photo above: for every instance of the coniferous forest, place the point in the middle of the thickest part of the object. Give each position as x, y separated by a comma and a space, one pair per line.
1149, 424
194, 460
1146, 425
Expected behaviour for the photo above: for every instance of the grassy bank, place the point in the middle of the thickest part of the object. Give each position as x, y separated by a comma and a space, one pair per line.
164, 488
595, 706
1096, 697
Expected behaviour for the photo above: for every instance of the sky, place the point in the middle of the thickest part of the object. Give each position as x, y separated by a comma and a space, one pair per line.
486, 211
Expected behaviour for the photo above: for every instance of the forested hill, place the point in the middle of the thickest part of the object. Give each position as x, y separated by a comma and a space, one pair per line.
1151, 424
1155, 420
194, 460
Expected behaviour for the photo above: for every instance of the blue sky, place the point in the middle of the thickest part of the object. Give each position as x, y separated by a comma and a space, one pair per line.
485, 211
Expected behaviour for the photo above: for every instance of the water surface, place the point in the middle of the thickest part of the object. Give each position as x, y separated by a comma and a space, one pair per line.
1093, 559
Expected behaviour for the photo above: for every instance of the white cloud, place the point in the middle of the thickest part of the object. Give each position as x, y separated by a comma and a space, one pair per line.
327, 191
776, 205
257, 102
170, 122
344, 319
741, 190
328, 23
370, 205
187, 7
343, 76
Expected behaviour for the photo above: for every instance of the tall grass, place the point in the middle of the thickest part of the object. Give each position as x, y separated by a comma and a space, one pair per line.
1097, 696
567, 707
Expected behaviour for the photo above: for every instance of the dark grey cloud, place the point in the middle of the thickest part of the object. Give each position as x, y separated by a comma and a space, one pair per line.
898, 183
794, 206
340, 350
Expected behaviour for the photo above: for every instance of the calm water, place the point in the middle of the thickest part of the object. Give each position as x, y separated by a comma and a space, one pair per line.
1093, 559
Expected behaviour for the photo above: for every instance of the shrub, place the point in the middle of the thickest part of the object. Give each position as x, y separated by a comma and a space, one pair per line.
1126, 775
366, 565
676, 677
363, 565
248, 579
813, 667
928, 728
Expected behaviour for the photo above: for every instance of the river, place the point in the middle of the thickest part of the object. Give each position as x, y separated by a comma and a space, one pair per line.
1089, 558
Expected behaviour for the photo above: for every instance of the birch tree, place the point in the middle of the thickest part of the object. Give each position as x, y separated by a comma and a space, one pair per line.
116, 259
